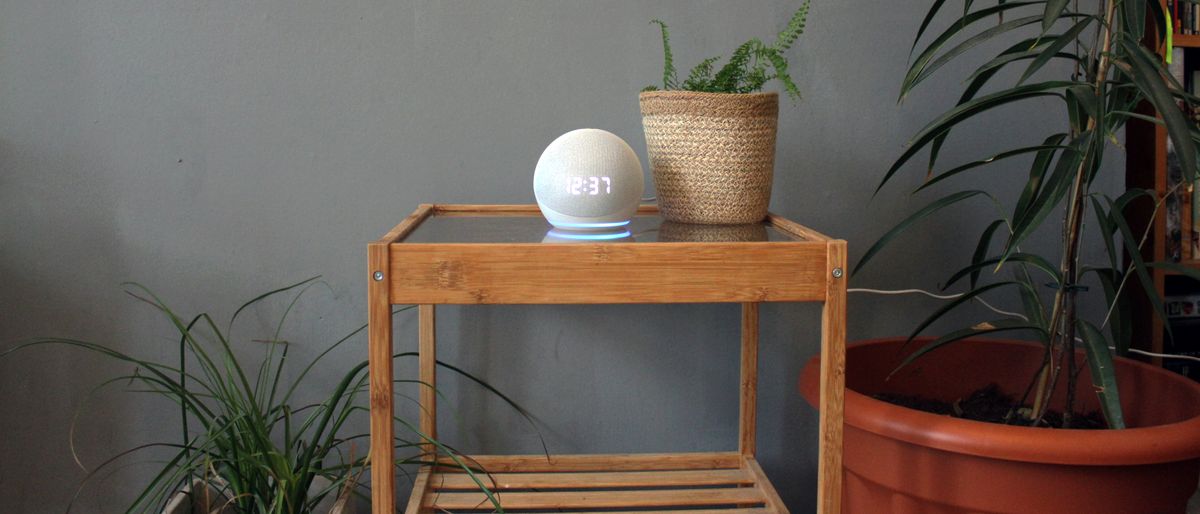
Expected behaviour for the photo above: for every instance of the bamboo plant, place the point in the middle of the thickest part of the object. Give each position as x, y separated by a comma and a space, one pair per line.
243, 434
1094, 60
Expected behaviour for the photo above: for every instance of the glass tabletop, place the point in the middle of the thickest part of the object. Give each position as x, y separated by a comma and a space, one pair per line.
534, 229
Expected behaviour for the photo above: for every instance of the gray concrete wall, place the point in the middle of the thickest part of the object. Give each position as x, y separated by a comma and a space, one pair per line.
213, 150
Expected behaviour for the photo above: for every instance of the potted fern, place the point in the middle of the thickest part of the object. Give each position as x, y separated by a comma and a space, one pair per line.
921, 451
711, 136
246, 444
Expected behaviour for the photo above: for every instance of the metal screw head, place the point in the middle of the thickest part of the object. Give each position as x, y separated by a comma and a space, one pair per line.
837, 272
378, 275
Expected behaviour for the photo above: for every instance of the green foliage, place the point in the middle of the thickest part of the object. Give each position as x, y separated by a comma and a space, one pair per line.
749, 68
1108, 73
246, 435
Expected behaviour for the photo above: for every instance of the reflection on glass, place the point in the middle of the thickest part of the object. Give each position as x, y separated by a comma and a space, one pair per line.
558, 235
672, 232
532, 229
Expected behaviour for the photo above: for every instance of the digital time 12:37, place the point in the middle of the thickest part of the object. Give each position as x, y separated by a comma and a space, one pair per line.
589, 186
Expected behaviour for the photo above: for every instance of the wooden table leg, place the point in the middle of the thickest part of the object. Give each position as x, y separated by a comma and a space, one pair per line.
427, 355
833, 383
379, 341
748, 407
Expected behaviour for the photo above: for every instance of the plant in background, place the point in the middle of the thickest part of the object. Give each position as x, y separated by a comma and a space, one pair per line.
245, 439
747, 69
1111, 73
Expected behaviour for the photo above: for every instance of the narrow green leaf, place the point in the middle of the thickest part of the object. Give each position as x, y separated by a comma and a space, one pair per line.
1034, 260
1107, 231
967, 111
1053, 192
1104, 377
982, 162
1054, 10
256, 299
1041, 164
982, 248
991, 327
1121, 321
909, 221
958, 302
1089, 106
1147, 73
1058, 43
931, 67
1134, 18
933, 11
922, 62
1187, 271
1138, 264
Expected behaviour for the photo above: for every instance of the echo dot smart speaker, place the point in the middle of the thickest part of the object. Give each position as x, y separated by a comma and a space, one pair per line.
588, 179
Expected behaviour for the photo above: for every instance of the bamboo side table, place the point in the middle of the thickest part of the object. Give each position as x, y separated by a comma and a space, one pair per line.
494, 254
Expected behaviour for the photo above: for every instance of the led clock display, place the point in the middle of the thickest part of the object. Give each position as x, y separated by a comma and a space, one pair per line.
589, 186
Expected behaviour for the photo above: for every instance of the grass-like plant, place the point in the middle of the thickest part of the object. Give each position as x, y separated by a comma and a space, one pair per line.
1108, 73
243, 433
747, 68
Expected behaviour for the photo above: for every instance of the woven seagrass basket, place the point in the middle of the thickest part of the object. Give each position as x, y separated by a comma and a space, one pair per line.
712, 154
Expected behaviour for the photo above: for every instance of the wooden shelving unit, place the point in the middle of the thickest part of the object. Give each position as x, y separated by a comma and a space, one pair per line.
475, 254
1146, 167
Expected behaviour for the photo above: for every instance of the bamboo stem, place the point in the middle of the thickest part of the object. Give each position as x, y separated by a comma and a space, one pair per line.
1063, 315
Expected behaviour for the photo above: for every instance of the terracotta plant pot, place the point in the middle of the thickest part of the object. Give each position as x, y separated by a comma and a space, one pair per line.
903, 461
712, 154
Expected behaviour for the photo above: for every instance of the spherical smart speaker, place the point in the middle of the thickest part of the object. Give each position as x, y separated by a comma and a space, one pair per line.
588, 179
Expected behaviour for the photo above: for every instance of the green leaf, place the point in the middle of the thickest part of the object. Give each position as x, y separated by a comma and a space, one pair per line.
1107, 230
1026, 49
1121, 321
926, 64
1052, 192
981, 249
966, 111
1034, 260
1147, 73
1083, 100
991, 327
1037, 172
975, 164
1104, 377
933, 11
1134, 18
909, 221
1138, 264
1054, 10
957, 302
1059, 42
1187, 271
1035, 310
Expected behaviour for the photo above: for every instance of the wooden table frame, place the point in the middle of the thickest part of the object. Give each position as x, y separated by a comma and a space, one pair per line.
809, 269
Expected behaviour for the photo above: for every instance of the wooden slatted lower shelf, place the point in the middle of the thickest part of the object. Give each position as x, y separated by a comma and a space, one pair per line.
677, 483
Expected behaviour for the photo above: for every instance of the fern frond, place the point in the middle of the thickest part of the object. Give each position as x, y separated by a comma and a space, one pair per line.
669, 77
700, 79
747, 69
779, 62
794, 28
734, 71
